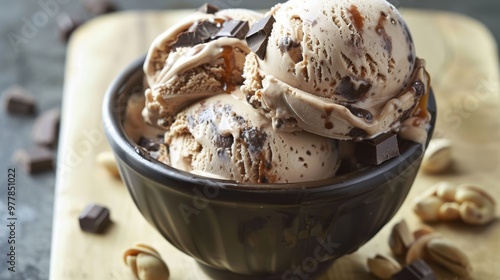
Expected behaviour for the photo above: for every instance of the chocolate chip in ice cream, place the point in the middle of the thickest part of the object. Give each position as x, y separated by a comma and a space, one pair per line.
418, 87
258, 36
353, 90
18, 101
233, 29
255, 139
287, 45
361, 113
377, 150
208, 9
149, 144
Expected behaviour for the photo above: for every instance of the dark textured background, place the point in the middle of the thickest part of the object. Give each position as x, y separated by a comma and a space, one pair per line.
39, 66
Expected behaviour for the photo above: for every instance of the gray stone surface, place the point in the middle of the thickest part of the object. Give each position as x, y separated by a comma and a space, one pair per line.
37, 63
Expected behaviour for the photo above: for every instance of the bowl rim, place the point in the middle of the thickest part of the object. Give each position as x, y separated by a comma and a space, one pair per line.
128, 151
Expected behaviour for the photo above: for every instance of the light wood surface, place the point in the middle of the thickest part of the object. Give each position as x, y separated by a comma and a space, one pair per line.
461, 57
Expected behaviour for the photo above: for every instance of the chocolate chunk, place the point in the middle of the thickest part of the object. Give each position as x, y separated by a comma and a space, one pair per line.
417, 270
35, 160
99, 7
149, 144
208, 9
286, 44
206, 29
258, 36
66, 26
94, 218
187, 39
357, 132
19, 101
348, 89
233, 29
46, 128
418, 87
197, 34
255, 139
377, 150
361, 113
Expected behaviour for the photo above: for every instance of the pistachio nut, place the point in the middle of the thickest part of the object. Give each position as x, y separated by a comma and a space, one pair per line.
418, 248
146, 263
449, 211
446, 191
422, 231
449, 256
427, 208
438, 156
383, 266
400, 238
477, 207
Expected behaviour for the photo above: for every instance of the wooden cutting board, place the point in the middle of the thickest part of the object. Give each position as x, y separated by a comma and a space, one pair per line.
461, 57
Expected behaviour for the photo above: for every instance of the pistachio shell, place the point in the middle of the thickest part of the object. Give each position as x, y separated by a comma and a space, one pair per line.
146, 263
383, 266
449, 211
438, 156
418, 248
449, 256
427, 208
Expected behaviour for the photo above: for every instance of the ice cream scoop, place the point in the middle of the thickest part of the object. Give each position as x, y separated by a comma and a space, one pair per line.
224, 137
344, 69
201, 56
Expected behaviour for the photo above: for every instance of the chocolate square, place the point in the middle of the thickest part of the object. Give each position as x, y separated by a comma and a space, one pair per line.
35, 160
46, 128
18, 101
94, 218
258, 36
66, 26
377, 150
99, 7
233, 29
417, 270
208, 9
